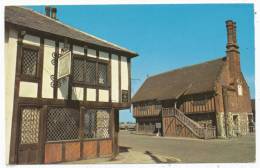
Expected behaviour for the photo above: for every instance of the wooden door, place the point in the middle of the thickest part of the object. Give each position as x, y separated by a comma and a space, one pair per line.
28, 151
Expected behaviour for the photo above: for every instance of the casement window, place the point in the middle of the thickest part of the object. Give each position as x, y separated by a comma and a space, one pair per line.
62, 124
96, 123
102, 74
90, 72
29, 62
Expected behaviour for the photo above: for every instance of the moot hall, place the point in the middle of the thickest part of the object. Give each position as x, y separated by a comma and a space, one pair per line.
205, 100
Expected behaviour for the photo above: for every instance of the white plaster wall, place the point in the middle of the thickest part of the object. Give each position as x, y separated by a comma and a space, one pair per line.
124, 74
92, 53
103, 95
78, 50
10, 66
63, 89
103, 55
32, 40
91, 94
114, 78
77, 93
28, 89
48, 68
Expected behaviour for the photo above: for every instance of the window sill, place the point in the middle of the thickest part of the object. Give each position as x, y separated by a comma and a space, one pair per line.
78, 140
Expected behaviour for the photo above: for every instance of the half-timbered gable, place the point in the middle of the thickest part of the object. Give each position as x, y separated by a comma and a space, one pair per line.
207, 98
53, 116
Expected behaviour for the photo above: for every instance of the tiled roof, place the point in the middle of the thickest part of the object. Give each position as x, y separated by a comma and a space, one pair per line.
189, 80
28, 18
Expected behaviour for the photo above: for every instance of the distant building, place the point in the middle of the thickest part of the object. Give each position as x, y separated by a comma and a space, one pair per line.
50, 120
203, 100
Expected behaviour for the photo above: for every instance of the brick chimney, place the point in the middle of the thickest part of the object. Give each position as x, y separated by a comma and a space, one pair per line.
232, 51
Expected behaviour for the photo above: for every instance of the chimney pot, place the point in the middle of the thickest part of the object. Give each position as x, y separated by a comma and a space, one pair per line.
54, 13
47, 11
231, 34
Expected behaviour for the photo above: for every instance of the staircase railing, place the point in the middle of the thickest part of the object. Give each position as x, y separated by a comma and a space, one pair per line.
198, 130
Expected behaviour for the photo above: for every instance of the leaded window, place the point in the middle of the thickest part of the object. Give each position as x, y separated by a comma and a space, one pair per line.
96, 123
29, 61
103, 124
90, 124
78, 70
84, 72
29, 130
62, 124
89, 72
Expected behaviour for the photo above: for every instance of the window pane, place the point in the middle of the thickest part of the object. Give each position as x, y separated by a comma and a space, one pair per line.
103, 124
62, 124
96, 124
102, 74
90, 124
78, 70
90, 73
29, 133
29, 62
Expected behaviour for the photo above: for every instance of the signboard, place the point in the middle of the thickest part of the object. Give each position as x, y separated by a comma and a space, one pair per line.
158, 125
64, 65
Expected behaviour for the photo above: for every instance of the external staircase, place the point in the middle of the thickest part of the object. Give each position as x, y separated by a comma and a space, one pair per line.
198, 130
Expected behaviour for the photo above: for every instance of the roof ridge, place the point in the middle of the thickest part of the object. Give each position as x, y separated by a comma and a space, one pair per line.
188, 66
68, 26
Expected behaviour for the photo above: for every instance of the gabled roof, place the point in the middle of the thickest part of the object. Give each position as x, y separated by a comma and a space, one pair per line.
28, 18
188, 80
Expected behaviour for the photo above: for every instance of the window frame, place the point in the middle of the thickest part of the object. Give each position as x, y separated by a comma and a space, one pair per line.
97, 61
26, 77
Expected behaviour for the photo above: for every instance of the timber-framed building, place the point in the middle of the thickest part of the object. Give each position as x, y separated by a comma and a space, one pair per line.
76, 117
203, 100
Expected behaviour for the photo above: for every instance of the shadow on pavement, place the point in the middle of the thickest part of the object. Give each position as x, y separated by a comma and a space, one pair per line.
123, 149
156, 159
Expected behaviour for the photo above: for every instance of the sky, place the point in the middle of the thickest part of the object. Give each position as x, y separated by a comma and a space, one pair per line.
167, 37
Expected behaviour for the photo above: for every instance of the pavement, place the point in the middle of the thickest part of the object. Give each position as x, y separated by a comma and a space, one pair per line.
129, 156
145, 149
191, 150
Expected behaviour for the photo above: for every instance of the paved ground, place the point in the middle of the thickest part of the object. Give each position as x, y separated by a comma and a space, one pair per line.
129, 156
236, 150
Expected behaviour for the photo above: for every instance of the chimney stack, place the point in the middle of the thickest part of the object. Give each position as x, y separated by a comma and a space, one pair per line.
231, 36
47, 11
54, 13
232, 52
